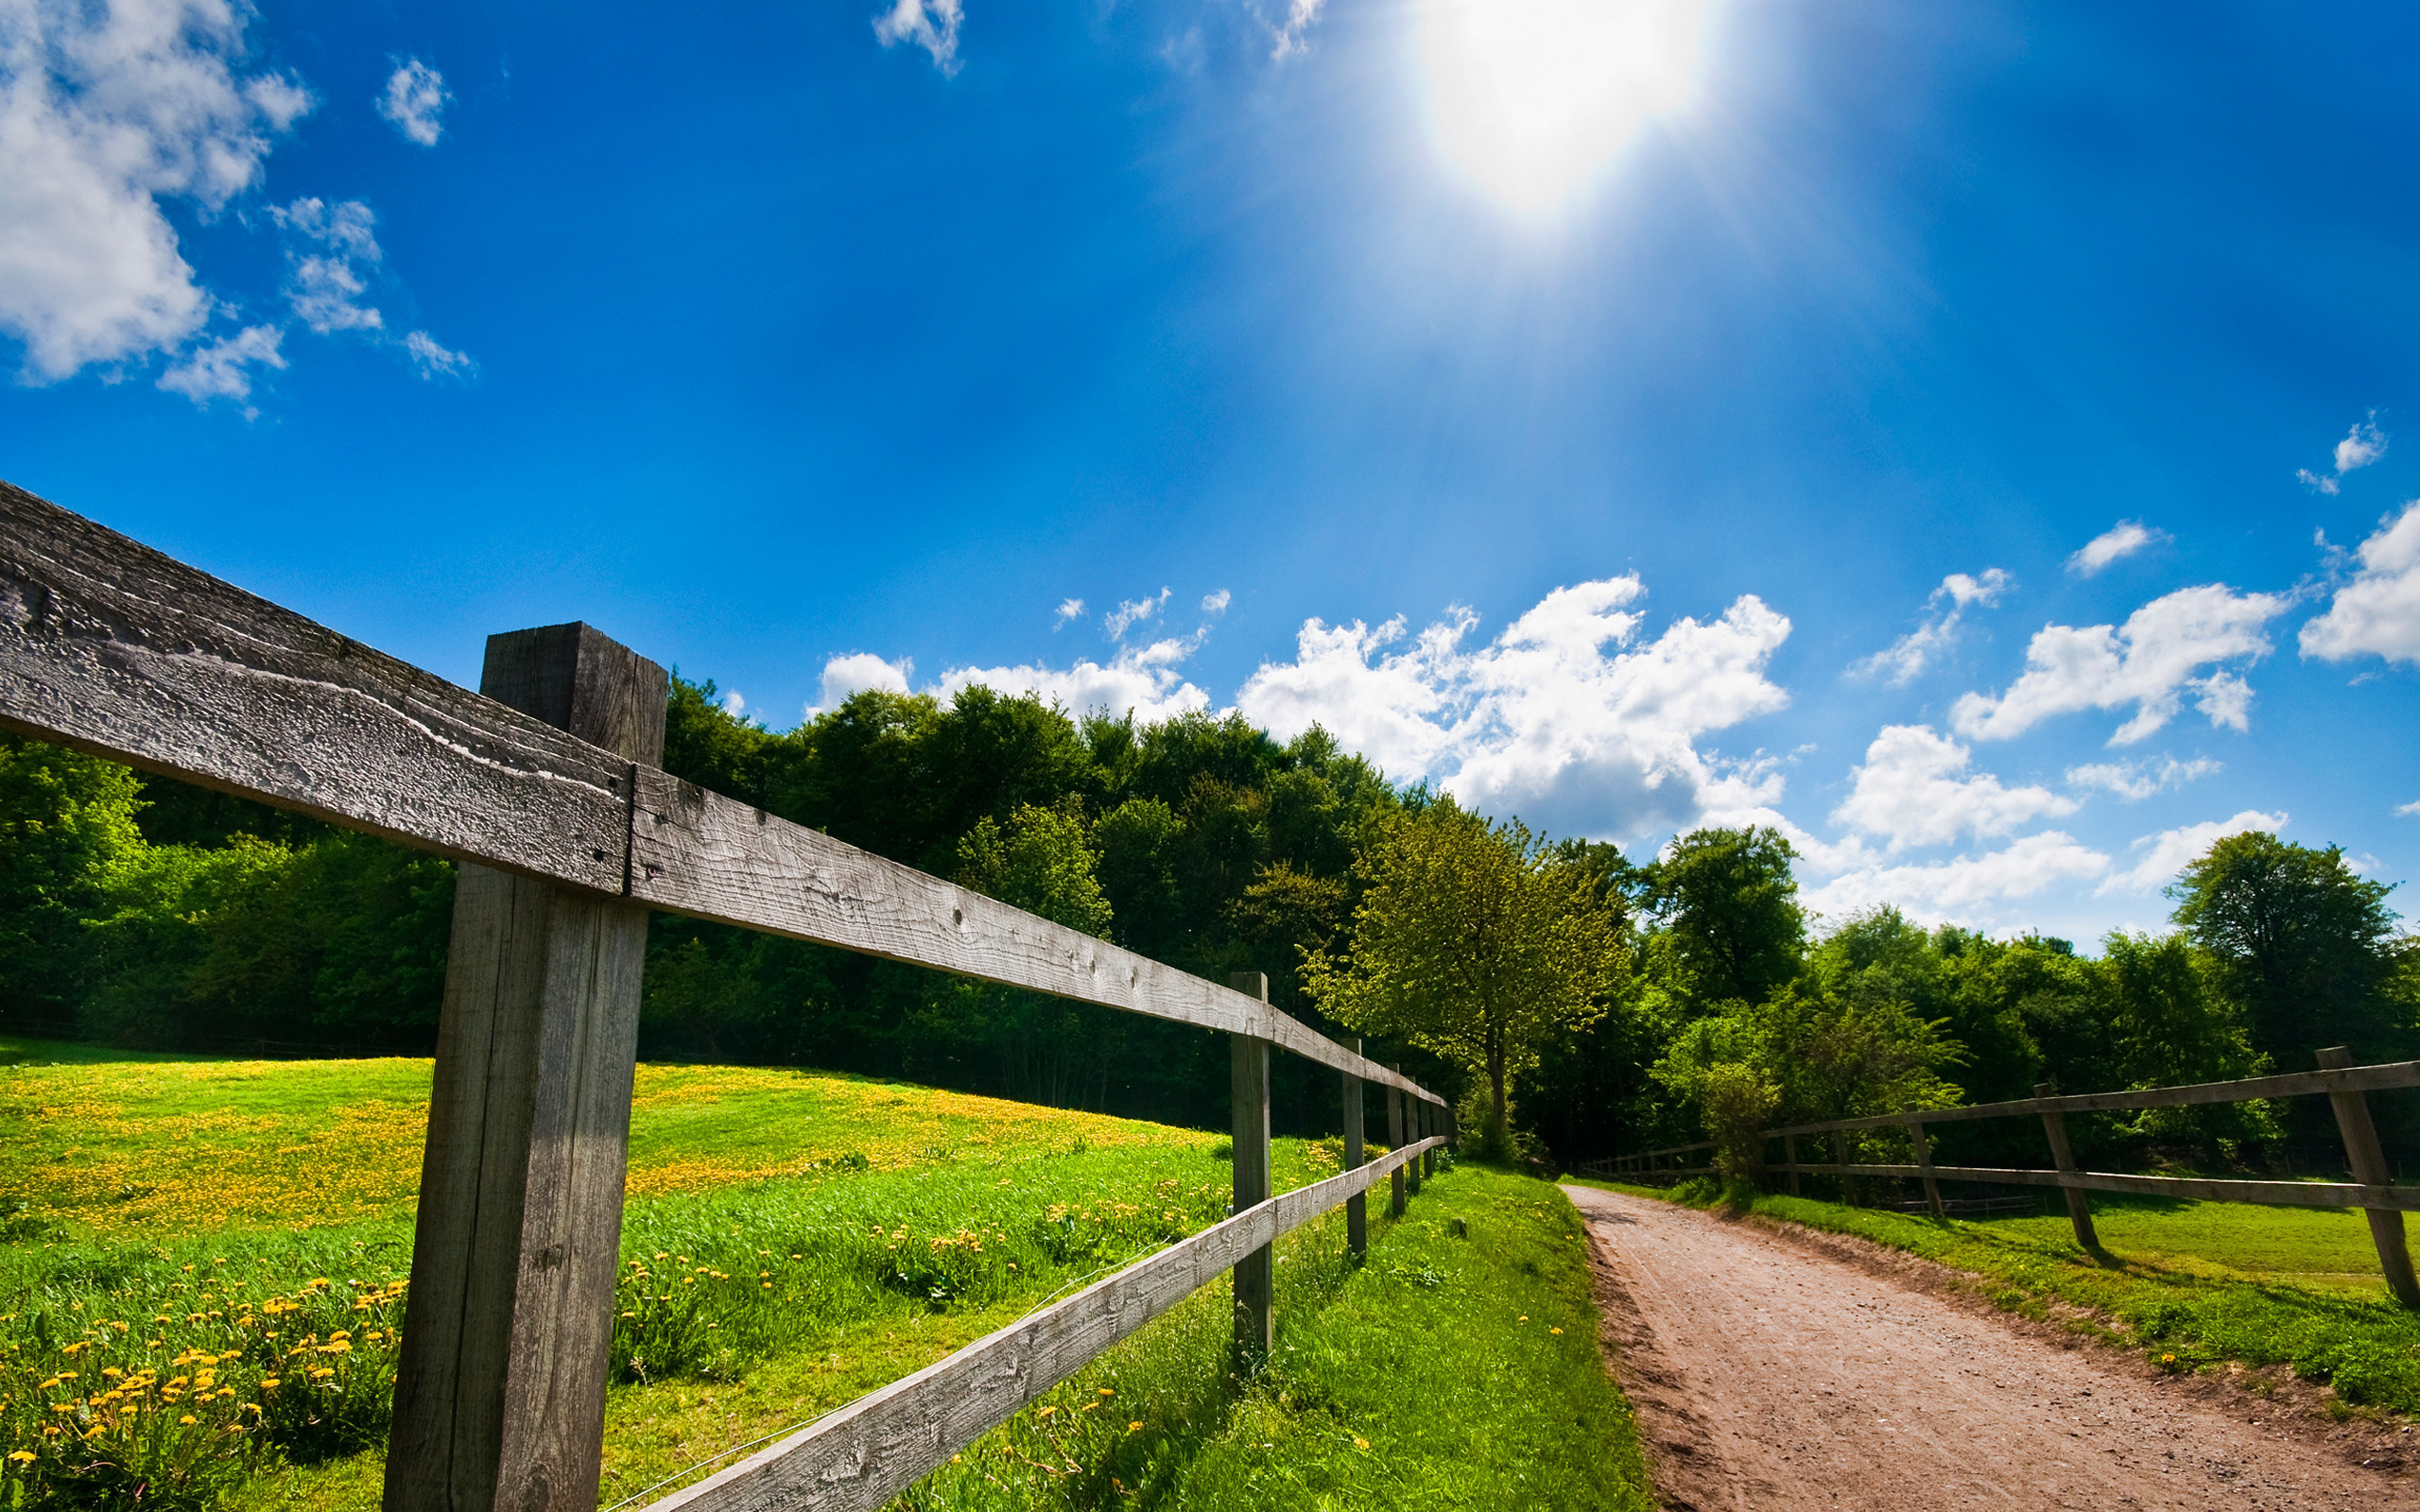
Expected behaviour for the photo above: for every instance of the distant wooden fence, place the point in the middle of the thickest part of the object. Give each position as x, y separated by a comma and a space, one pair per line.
546, 785
2344, 1085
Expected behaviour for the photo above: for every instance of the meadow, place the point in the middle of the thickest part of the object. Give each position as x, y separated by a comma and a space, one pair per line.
2193, 1286
205, 1261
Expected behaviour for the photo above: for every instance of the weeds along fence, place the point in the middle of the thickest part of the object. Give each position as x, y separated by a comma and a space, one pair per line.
546, 787
2343, 1084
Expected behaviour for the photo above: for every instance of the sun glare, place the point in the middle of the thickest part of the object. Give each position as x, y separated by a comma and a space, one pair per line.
1534, 100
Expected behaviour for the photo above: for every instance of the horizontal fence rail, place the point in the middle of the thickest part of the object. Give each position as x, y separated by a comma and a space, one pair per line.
550, 794
117, 649
867, 1452
2343, 1084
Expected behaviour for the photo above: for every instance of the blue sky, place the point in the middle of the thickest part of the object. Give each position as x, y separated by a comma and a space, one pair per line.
1965, 436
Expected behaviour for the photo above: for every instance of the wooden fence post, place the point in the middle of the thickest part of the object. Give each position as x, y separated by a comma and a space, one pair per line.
1394, 1142
1924, 1164
2054, 1127
1356, 1207
1256, 1273
1413, 1109
1841, 1159
500, 1391
1790, 1158
2370, 1169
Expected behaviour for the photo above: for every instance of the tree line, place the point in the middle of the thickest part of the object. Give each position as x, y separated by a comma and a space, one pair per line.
1579, 1002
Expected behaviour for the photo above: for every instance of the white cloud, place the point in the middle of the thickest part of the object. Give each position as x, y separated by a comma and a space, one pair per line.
1963, 891
1217, 603
1913, 789
1069, 609
858, 671
931, 24
2165, 854
1542, 721
433, 360
2150, 662
2135, 781
324, 285
1125, 616
2121, 540
106, 109
1908, 655
413, 100
218, 370
2377, 613
733, 703
2409, 810
2363, 445
1301, 15
1141, 679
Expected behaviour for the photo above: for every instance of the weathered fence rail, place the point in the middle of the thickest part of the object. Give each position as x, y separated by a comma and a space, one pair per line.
546, 785
2343, 1083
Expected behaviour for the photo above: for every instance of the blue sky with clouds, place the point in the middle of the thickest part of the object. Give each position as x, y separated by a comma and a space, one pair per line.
1965, 436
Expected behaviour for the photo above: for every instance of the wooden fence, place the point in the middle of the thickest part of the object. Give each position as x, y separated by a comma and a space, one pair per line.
546, 787
2343, 1083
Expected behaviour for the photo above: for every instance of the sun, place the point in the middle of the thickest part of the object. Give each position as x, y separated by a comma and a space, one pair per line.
1534, 100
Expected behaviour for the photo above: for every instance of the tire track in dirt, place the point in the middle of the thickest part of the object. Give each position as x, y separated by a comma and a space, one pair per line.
1769, 1375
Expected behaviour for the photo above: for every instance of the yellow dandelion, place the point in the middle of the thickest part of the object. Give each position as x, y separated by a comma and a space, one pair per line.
22, 1456
1134, 1427
1360, 1442
188, 1419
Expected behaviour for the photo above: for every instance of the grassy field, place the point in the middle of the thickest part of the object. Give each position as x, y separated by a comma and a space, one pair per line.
204, 1261
2194, 1285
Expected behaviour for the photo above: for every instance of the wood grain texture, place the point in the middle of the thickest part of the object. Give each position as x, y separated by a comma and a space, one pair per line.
500, 1393
699, 853
117, 649
2370, 1169
865, 1454
2260, 1194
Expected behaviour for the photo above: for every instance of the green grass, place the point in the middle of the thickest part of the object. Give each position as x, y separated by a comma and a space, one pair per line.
2192, 1285
222, 1246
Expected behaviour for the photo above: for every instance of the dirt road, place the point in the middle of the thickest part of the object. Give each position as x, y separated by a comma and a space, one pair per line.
1769, 1373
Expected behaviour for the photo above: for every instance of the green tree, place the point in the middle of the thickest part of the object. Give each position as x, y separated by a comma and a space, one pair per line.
2302, 944
1729, 902
67, 821
1473, 941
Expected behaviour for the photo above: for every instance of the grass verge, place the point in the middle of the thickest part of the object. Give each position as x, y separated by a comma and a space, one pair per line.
2191, 1285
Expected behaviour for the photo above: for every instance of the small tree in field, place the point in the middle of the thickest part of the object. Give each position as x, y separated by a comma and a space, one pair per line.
1472, 941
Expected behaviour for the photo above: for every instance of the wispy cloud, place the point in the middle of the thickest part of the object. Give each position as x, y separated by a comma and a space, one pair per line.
1217, 603
221, 369
1967, 888
931, 24
2135, 781
413, 100
1069, 609
2151, 662
2409, 810
324, 282
1289, 36
2119, 542
435, 361
2363, 445
1905, 658
1131, 612
2377, 613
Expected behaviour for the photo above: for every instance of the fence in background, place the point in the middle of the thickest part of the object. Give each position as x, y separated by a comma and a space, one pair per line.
546, 787
2344, 1085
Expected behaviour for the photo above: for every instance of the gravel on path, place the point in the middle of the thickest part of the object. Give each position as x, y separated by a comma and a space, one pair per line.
1768, 1374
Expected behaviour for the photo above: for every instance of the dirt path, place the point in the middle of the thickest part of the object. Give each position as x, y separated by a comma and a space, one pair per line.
1769, 1375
